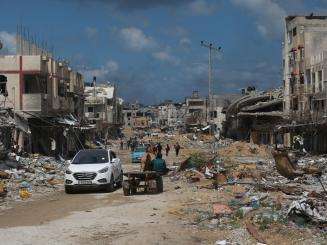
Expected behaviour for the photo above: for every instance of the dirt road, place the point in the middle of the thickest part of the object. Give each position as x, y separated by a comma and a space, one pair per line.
99, 218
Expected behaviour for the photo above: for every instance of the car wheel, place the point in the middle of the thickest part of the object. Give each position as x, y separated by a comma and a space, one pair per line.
120, 180
110, 186
69, 190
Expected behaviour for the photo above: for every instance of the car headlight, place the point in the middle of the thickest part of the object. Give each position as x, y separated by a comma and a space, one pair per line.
104, 170
68, 171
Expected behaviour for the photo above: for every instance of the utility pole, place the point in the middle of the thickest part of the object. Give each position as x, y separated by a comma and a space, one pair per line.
211, 48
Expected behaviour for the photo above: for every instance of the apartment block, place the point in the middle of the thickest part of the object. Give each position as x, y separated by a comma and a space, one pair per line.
305, 79
46, 96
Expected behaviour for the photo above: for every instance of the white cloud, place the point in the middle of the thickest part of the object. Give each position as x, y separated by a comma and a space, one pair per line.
185, 42
269, 15
9, 42
165, 56
91, 32
135, 39
201, 7
103, 72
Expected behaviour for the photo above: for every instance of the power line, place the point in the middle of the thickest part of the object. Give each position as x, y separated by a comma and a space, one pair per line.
211, 48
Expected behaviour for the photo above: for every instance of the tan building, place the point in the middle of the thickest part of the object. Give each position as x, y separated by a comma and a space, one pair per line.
305, 79
47, 98
103, 109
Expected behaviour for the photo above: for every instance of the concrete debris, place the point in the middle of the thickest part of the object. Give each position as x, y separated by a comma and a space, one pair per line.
254, 186
309, 209
28, 175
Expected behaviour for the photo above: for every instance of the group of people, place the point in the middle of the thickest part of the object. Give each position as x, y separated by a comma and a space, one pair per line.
157, 163
158, 149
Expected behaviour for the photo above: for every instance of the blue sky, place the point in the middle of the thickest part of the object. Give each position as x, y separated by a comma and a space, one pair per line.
151, 49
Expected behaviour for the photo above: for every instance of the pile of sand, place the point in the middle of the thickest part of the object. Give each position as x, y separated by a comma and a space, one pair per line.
244, 149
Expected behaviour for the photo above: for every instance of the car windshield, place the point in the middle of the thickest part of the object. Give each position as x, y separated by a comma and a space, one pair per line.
91, 157
140, 149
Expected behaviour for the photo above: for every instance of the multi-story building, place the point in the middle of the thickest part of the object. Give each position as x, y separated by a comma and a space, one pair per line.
196, 110
136, 116
170, 114
47, 98
103, 109
305, 79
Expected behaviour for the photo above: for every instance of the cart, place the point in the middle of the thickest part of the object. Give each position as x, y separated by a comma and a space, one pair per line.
149, 181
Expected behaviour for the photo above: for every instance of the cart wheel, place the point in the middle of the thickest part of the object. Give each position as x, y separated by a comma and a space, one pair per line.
159, 184
126, 188
133, 190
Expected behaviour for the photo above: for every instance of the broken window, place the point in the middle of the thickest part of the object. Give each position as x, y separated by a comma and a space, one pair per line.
35, 84
61, 88
302, 53
3, 85
90, 109
213, 114
319, 76
310, 102
301, 79
308, 76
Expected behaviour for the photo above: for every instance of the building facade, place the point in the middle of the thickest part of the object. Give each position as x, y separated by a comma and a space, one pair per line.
305, 79
103, 110
46, 96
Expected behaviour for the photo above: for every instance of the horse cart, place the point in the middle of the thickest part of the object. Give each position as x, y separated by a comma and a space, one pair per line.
148, 181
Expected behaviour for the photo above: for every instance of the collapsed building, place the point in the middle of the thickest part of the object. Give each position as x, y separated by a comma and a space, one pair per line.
305, 81
254, 117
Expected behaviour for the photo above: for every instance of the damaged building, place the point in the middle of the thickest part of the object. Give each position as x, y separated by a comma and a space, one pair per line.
171, 114
103, 110
254, 116
46, 97
196, 111
305, 81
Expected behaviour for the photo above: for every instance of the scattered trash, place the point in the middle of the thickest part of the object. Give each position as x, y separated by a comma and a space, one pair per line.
24, 193
306, 208
222, 242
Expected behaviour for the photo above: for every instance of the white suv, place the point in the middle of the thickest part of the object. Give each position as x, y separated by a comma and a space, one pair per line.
96, 168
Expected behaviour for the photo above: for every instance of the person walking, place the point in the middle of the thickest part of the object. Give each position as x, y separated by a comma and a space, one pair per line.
177, 149
159, 148
167, 150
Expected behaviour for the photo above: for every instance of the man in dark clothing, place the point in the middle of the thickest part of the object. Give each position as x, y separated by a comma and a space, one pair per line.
167, 150
159, 164
159, 148
177, 148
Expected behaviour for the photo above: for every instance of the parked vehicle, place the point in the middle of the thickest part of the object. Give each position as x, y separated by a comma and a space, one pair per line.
94, 168
137, 154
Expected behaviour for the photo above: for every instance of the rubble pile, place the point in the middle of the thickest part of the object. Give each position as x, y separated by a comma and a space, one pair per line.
22, 177
244, 149
242, 188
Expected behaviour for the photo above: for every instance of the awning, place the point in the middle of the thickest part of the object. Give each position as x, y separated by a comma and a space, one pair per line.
67, 120
206, 128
